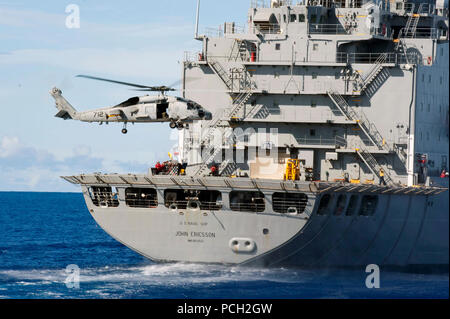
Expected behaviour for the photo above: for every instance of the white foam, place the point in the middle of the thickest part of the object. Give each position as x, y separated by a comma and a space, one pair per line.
172, 274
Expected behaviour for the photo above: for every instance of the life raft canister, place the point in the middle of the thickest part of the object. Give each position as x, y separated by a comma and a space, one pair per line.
429, 60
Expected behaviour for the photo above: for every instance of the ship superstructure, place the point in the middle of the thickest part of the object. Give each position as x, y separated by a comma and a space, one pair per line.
328, 143
350, 86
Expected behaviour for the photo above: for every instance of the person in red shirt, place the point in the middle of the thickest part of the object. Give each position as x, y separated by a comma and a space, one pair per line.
158, 167
214, 170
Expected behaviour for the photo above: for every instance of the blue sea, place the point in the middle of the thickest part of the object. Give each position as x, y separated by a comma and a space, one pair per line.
42, 233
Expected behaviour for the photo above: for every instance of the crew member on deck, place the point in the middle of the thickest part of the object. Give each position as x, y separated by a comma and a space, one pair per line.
382, 181
214, 170
159, 167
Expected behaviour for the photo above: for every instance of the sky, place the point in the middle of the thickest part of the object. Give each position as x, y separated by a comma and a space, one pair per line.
132, 41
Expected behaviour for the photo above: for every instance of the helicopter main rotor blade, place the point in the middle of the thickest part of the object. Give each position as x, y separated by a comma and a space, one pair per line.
162, 88
113, 81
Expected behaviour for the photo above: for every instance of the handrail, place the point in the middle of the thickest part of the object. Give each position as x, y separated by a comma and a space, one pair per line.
267, 28
341, 57
319, 28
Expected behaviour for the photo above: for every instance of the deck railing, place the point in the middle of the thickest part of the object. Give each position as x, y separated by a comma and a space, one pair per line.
336, 141
267, 28
316, 28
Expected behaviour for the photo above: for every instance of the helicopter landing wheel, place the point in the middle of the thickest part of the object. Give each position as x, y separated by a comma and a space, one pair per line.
124, 131
180, 126
173, 125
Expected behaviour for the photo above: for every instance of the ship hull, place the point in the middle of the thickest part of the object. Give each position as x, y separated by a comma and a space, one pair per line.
404, 230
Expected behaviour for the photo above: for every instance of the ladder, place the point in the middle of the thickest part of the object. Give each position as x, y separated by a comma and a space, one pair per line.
401, 45
373, 165
239, 50
211, 152
239, 102
221, 73
227, 167
364, 123
413, 21
373, 73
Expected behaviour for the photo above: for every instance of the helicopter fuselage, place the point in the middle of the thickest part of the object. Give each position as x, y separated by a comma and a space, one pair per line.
136, 109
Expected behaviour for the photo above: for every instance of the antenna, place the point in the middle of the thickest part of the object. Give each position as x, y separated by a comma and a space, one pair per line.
196, 20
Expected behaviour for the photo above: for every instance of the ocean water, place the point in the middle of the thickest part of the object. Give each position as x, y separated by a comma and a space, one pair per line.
42, 233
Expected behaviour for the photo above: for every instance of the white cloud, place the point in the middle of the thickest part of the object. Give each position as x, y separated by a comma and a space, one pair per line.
9, 146
30, 169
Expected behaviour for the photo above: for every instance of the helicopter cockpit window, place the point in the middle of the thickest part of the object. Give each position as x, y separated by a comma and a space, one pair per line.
129, 102
190, 106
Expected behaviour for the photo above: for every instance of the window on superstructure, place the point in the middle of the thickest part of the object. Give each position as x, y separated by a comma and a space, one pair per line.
103, 196
141, 197
312, 132
247, 201
277, 46
313, 18
289, 202
399, 5
293, 17
314, 75
284, 18
368, 205
301, 18
315, 46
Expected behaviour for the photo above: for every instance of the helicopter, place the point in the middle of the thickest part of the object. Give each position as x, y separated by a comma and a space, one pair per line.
139, 109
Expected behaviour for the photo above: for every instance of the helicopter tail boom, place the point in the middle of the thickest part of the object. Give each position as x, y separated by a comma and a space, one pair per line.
65, 110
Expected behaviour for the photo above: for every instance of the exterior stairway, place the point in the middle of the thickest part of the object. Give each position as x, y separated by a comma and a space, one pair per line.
239, 51
373, 73
239, 102
373, 165
413, 21
369, 129
221, 73
211, 151
218, 123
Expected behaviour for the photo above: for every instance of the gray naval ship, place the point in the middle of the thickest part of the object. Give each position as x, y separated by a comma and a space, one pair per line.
328, 144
